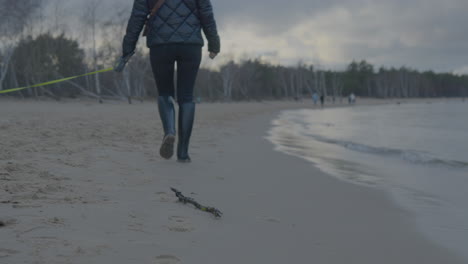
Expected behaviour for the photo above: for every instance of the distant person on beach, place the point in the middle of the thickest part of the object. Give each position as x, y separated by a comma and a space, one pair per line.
315, 98
352, 98
173, 30
322, 100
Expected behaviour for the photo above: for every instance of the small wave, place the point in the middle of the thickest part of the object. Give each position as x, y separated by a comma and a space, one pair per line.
412, 156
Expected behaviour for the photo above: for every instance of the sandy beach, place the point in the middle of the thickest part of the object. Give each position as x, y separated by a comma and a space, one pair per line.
82, 182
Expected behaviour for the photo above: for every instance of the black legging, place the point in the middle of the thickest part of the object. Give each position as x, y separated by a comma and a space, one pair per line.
188, 58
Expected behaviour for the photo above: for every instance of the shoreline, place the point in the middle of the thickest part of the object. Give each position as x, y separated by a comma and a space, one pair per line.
438, 215
390, 235
91, 189
328, 101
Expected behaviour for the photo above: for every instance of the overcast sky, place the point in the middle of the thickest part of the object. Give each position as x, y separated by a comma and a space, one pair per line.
422, 34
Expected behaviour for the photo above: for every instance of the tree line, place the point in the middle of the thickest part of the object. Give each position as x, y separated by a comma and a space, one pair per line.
35, 49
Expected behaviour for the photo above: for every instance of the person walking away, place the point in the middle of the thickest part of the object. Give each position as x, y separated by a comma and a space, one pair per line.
353, 98
173, 31
322, 100
315, 98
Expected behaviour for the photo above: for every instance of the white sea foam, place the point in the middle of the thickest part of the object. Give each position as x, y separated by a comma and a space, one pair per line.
413, 156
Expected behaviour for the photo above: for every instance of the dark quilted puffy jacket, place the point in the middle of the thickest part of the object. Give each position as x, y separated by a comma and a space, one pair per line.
177, 21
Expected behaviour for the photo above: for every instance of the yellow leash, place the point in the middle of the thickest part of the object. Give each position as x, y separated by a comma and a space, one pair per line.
56, 81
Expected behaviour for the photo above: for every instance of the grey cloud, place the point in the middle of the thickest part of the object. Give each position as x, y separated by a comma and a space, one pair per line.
270, 15
427, 34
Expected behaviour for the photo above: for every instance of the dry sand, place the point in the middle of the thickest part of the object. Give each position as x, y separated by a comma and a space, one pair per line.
82, 183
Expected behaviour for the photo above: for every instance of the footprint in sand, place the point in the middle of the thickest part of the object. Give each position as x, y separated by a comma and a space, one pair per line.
11, 167
22, 206
167, 259
165, 197
55, 221
180, 224
8, 252
46, 175
5, 176
270, 219
5, 222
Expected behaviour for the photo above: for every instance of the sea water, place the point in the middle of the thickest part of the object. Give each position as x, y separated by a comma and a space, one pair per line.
418, 153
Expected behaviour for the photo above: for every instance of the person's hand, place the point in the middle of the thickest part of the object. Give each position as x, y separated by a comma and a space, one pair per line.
122, 61
213, 55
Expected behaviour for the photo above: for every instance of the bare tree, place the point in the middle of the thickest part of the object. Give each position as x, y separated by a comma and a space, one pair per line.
58, 25
229, 73
13, 20
282, 73
91, 20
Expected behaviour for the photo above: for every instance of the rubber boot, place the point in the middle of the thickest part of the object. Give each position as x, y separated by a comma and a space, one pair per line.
167, 114
186, 117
